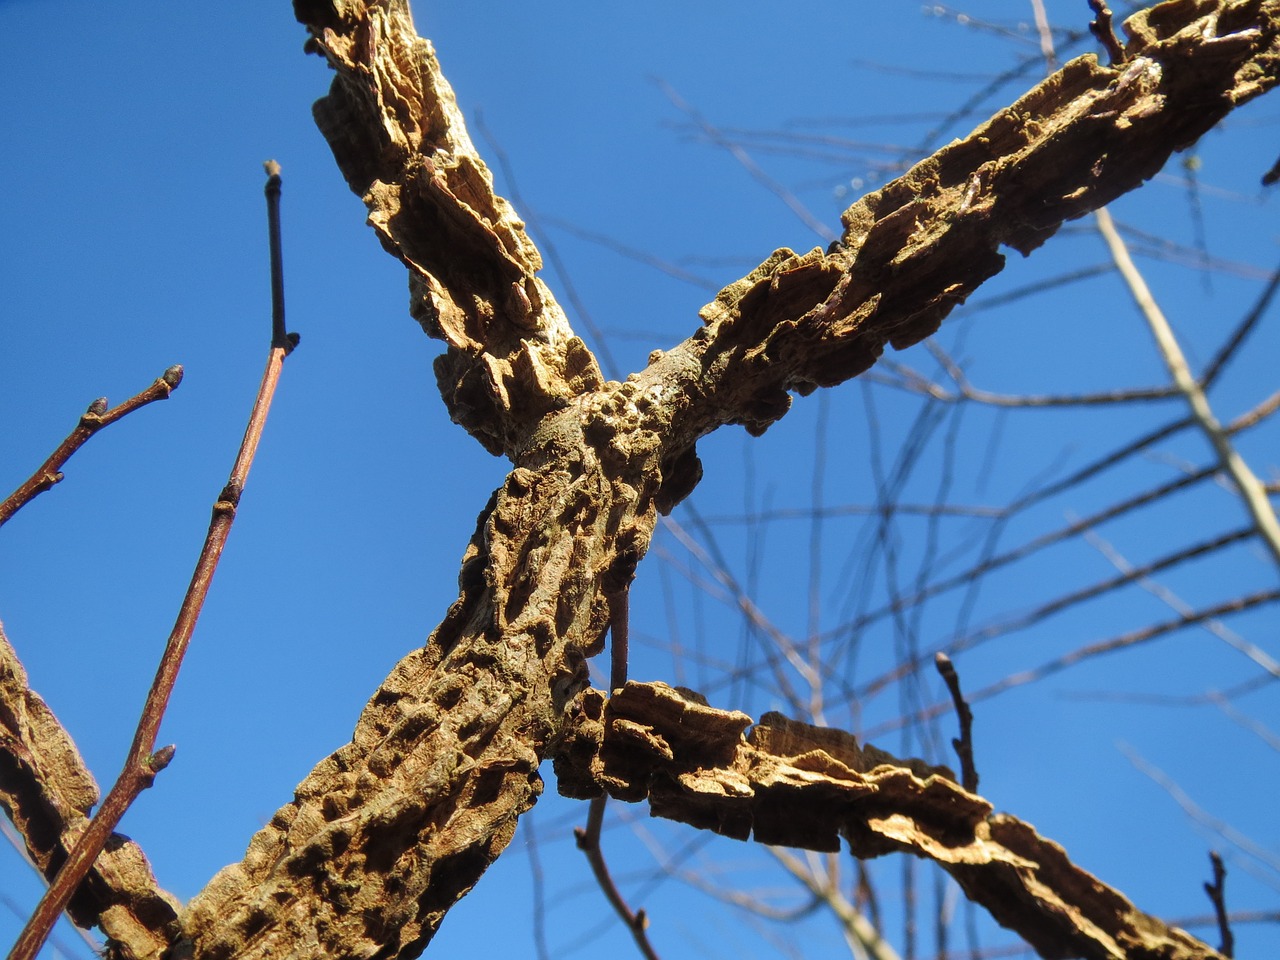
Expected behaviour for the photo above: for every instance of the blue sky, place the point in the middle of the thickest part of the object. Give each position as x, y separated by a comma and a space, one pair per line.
134, 238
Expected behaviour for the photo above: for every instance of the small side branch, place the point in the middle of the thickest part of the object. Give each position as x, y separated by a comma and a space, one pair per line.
618, 590
93, 420
144, 761
636, 921
1104, 33
964, 743
1217, 896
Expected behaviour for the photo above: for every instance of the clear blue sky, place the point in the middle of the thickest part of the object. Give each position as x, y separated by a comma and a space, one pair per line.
134, 238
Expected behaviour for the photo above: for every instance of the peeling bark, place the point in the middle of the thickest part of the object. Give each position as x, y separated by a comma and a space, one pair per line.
790, 784
389, 831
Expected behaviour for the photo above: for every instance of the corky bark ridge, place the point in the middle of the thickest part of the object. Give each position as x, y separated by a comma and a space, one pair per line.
791, 784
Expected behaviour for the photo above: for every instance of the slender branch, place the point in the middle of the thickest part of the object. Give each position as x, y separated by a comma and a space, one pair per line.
636, 921
618, 590
93, 420
1104, 33
858, 928
1242, 331
1251, 489
1216, 892
144, 761
964, 743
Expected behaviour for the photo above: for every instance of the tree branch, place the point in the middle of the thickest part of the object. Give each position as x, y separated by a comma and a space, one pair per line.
93, 420
790, 784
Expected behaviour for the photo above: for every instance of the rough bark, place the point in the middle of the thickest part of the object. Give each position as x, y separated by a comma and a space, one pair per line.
389, 831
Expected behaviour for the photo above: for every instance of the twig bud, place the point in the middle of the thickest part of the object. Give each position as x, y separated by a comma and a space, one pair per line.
161, 758
97, 408
172, 376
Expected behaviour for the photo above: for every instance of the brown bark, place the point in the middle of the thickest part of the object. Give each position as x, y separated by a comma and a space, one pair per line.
389, 831
791, 784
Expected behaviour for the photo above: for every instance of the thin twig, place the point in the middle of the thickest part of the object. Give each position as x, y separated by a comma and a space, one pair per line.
1251, 489
93, 420
636, 921
1238, 336
1104, 33
858, 928
618, 589
964, 743
1217, 896
144, 761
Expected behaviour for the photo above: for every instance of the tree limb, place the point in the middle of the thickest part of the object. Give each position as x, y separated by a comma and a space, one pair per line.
790, 784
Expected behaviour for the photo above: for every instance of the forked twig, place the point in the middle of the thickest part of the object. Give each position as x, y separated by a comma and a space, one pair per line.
1217, 896
93, 420
144, 761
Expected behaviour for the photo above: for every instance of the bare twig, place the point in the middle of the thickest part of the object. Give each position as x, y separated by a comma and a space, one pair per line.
1255, 851
618, 590
1104, 33
636, 921
1245, 327
93, 420
1251, 489
144, 761
858, 928
964, 743
1217, 896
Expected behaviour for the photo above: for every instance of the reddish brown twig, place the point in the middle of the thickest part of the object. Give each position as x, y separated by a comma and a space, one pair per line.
636, 921
143, 761
964, 743
1217, 896
618, 586
93, 420
1104, 33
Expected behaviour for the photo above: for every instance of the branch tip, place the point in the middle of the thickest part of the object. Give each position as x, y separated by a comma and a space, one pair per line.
172, 376
964, 743
97, 408
1216, 892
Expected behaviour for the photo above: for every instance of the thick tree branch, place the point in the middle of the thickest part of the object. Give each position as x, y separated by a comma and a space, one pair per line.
790, 784
47, 792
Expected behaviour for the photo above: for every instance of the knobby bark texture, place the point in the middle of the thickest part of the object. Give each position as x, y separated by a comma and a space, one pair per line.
389, 831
